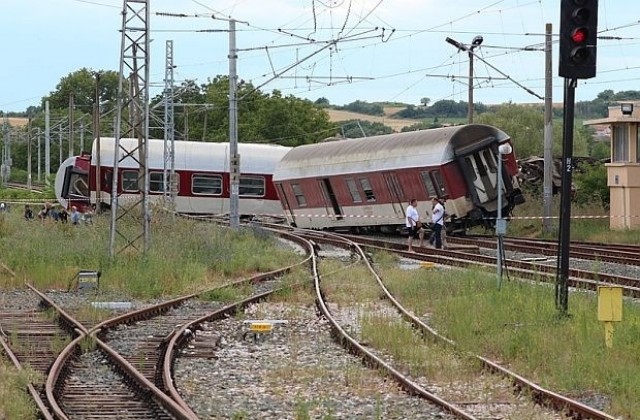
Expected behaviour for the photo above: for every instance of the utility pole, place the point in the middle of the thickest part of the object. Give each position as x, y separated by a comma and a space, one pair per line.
60, 145
39, 155
234, 158
548, 133
70, 125
47, 142
97, 151
29, 153
6, 155
81, 137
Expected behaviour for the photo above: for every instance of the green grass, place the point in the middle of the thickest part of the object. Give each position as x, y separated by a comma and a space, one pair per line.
184, 255
519, 326
15, 404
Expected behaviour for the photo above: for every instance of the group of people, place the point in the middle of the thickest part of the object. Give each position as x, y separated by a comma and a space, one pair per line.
414, 225
58, 215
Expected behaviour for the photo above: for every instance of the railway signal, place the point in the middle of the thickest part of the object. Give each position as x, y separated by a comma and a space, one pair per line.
578, 38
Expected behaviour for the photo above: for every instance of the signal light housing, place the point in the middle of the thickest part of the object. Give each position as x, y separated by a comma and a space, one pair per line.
578, 38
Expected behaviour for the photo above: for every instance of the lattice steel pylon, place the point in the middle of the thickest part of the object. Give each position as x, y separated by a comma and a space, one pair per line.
130, 218
169, 179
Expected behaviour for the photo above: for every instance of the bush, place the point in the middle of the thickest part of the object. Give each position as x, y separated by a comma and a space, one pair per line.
592, 187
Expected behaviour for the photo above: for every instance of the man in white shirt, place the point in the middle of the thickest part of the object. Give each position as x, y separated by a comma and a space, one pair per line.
412, 221
437, 217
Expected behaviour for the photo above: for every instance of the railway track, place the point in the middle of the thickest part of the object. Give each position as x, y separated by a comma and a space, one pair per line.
19, 186
557, 402
469, 256
142, 383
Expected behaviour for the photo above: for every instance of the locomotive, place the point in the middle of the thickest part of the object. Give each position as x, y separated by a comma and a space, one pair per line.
366, 183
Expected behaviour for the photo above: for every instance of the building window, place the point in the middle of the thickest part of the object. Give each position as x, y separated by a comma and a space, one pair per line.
130, 181
251, 186
637, 143
366, 187
353, 189
206, 184
297, 191
620, 143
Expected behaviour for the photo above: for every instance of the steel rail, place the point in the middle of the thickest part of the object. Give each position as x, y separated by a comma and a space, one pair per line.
347, 341
44, 410
578, 278
179, 338
551, 399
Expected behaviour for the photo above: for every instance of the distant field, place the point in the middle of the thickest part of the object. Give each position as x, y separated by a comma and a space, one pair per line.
396, 124
18, 122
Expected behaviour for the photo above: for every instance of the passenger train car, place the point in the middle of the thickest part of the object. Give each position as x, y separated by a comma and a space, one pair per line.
202, 176
367, 183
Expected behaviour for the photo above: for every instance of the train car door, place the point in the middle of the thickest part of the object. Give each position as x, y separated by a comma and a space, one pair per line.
480, 169
285, 204
330, 198
395, 191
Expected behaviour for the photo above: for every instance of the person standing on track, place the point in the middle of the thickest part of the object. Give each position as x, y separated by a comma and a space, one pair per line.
437, 218
413, 224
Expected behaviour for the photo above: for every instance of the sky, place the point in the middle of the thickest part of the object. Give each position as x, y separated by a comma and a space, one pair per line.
341, 50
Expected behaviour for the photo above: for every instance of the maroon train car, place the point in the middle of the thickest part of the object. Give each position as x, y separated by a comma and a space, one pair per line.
367, 183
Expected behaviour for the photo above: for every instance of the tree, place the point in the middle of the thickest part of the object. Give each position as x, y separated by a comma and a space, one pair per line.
425, 101
353, 129
82, 84
262, 117
525, 125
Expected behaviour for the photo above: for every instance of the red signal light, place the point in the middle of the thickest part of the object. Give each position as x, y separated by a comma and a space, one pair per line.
579, 35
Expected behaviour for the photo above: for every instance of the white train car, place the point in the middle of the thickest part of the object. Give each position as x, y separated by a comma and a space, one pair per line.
202, 176
368, 182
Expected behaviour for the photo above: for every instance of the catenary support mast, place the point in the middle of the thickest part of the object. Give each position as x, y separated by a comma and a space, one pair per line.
130, 218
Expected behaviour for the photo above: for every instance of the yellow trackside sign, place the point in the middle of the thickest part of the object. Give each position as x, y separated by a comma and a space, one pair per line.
609, 303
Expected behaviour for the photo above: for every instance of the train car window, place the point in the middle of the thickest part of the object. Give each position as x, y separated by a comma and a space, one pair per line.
353, 189
368, 191
206, 184
428, 184
297, 191
482, 170
156, 182
107, 180
251, 186
470, 165
489, 158
130, 181
439, 183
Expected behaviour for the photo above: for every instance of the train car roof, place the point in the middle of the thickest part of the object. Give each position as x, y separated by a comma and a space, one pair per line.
386, 152
196, 156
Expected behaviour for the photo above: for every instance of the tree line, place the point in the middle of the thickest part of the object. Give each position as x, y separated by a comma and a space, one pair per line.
201, 114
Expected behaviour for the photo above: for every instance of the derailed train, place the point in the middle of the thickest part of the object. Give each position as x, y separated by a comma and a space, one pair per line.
367, 183
354, 184
201, 176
